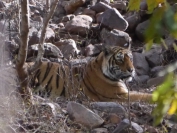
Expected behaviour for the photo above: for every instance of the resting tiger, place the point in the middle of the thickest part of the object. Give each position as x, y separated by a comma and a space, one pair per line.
101, 79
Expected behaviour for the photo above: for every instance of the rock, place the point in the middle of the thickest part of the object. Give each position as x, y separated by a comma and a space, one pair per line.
68, 48
82, 115
32, 2
60, 11
50, 35
79, 25
122, 127
61, 25
106, 1
133, 21
39, 9
140, 30
76, 62
2, 5
172, 118
174, 7
36, 13
140, 64
68, 17
151, 129
154, 56
99, 130
119, 5
108, 107
100, 7
90, 13
174, 129
34, 36
38, 19
95, 32
50, 51
155, 70
92, 50
117, 20
143, 8
155, 81
72, 5
64, 34
114, 118
56, 27
11, 46
141, 79
115, 38
79, 11
169, 41
2, 15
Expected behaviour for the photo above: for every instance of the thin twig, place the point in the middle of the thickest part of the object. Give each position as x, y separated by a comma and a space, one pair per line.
129, 105
42, 38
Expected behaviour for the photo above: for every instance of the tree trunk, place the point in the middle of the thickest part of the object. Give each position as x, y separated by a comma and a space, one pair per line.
21, 58
47, 5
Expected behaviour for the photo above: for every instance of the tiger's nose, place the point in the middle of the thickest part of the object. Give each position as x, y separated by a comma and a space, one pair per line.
130, 70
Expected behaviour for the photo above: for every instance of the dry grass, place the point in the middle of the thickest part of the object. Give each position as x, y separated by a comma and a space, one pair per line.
17, 117
8, 101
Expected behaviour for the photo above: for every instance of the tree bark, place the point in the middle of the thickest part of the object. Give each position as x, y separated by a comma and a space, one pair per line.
47, 5
21, 58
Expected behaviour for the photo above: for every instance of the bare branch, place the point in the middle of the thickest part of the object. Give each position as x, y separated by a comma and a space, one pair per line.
43, 35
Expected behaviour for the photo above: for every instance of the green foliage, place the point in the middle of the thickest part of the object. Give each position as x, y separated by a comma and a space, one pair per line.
163, 19
111, 1
152, 4
134, 5
165, 98
154, 30
170, 21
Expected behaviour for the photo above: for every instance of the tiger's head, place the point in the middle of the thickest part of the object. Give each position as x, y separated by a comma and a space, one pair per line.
118, 63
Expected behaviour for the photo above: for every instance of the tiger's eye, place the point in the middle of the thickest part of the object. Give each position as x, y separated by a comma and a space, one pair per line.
130, 56
120, 57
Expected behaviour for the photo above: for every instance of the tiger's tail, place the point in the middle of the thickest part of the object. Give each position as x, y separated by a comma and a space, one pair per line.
145, 97
136, 96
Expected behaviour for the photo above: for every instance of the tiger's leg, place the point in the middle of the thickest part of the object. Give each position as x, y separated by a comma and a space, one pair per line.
91, 96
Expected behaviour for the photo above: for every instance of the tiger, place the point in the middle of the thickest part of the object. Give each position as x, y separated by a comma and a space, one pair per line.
100, 79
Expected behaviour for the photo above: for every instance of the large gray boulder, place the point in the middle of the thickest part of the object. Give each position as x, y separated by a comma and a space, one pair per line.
80, 24
83, 115
115, 38
140, 64
112, 19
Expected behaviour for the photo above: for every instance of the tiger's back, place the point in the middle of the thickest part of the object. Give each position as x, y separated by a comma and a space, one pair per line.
51, 79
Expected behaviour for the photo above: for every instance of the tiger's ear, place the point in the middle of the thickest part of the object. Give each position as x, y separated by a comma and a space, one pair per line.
107, 50
128, 45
